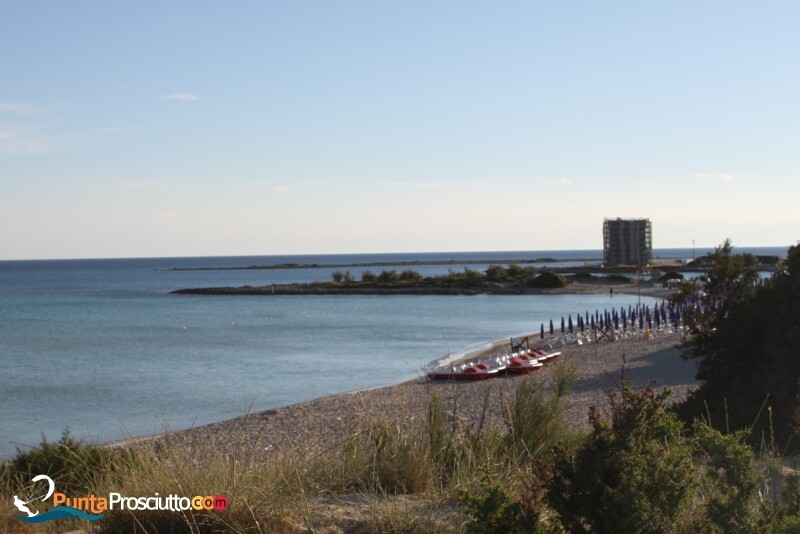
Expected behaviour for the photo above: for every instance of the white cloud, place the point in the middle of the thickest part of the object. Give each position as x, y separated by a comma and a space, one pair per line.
183, 97
728, 177
563, 182
420, 184
702, 175
279, 189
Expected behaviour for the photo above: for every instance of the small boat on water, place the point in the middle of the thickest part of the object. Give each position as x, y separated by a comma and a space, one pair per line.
520, 363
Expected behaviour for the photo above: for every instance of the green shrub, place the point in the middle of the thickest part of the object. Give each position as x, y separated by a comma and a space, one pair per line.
466, 278
492, 512
368, 277
495, 273
71, 463
410, 276
387, 277
548, 279
519, 273
632, 474
730, 478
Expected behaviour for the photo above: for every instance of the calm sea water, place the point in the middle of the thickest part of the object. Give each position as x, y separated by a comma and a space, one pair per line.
101, 347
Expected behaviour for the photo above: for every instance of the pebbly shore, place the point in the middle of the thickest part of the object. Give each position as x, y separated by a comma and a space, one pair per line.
322, 423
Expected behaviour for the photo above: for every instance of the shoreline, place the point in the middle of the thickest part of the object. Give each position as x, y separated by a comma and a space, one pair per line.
320, 423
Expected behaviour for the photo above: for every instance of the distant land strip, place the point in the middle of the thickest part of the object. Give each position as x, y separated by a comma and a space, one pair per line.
381, 264
433, 287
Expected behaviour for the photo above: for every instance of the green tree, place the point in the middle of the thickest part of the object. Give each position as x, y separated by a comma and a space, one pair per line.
745, 341
368, 277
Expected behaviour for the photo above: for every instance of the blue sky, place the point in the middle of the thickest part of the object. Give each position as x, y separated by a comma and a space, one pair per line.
227, 128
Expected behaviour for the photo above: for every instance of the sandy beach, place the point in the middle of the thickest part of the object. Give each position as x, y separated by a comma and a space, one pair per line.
322, 423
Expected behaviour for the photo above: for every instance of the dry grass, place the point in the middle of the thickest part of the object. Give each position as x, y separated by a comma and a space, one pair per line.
380, 479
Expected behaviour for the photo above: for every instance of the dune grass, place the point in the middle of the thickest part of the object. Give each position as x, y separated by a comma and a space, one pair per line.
531, 475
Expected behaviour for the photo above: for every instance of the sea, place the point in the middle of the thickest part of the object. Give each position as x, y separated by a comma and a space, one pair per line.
102, 348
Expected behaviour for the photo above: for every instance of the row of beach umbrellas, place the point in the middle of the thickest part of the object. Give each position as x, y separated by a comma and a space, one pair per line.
661, 314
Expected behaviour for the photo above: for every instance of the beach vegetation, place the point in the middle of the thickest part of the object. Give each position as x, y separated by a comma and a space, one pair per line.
631, 473
491, 510
388, 277
70, 462
640, 469
337, 276
368, 277
548, 279
744, 335
496, 273
519, 273
411, 276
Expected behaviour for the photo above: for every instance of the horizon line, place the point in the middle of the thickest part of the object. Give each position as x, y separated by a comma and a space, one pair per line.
192, 256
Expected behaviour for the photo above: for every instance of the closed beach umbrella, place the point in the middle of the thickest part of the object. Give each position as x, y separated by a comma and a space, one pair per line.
616, 321
583, 325
592, 323
542, 331
624, 322
551, 327
570, 323
562, 325
641, 321
649, 322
